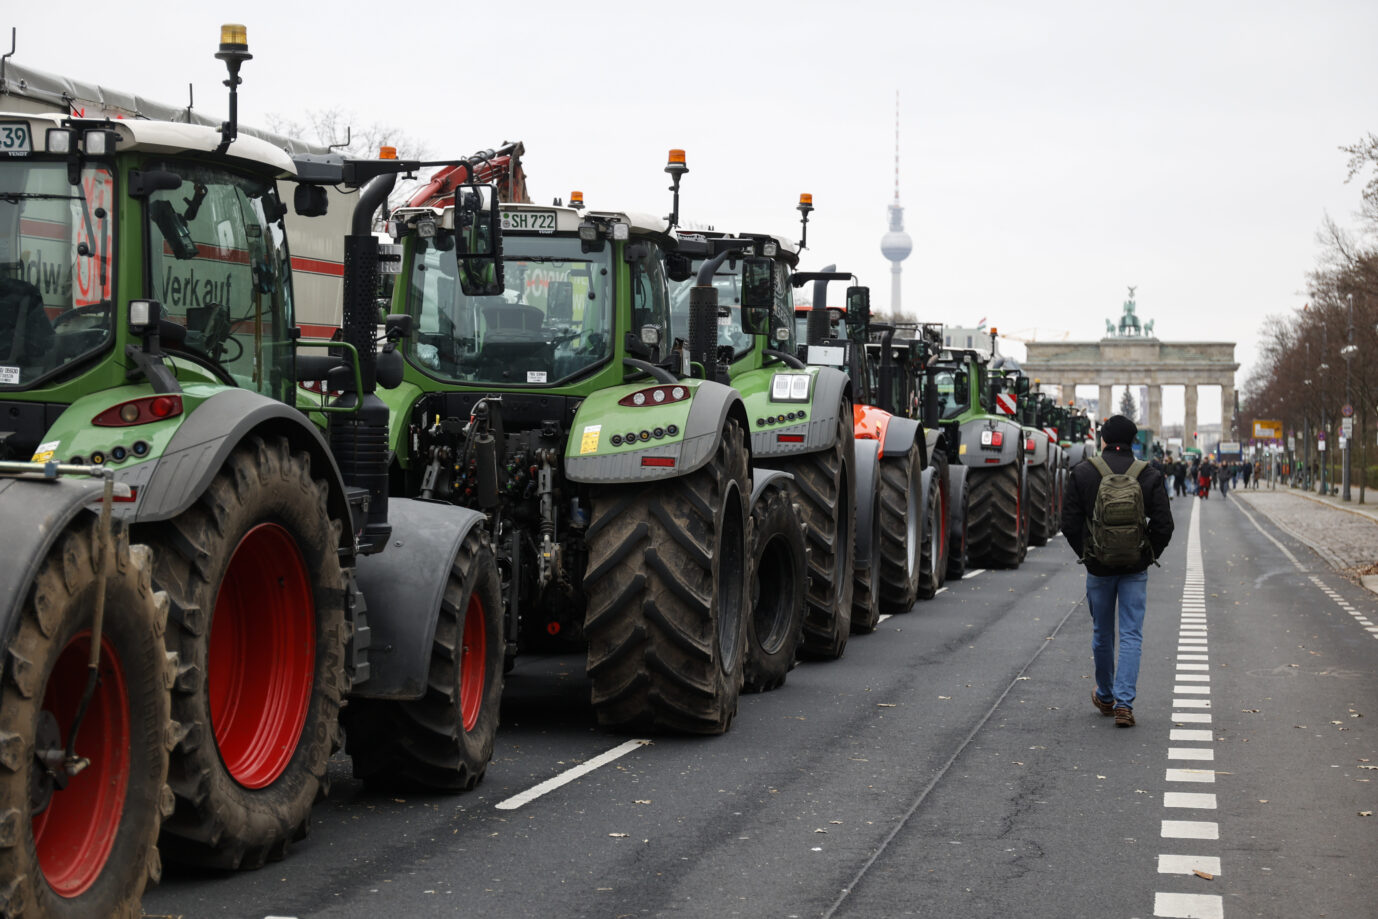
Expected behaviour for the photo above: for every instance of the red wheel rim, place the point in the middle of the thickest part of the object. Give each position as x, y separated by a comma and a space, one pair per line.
76, 832
473, 663
262, 658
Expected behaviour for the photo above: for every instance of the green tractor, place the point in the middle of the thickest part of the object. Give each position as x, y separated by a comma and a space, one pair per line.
564, 403
1045, 466
976, 407
801, 425
147, 330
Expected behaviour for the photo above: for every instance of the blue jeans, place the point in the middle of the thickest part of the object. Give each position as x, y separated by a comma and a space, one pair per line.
1131, 591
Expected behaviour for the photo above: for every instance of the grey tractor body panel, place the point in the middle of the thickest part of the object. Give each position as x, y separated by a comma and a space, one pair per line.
35, 511
172, 482
713, 403
900, 434
926, 483
830, 390
1040, 454
972, 453
867, 485
403, 588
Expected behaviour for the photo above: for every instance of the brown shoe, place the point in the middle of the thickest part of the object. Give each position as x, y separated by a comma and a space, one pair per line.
1124, 717
1105, 708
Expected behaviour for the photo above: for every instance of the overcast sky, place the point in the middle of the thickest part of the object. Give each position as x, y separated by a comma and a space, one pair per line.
1052, 153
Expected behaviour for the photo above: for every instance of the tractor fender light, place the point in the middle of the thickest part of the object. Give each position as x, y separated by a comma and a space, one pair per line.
139, 411
656, 395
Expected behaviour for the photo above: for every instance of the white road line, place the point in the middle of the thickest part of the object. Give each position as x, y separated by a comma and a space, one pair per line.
1191, 829
569, 775
1190, 734
883, 617
1189, 799
1191, 703
1285, 551
1193, 753
1182, 665
1193, 677
1189, 690
1193, 657
972, 574
939, 590
1187, 864
1190, 775
1188, 906
1191, 718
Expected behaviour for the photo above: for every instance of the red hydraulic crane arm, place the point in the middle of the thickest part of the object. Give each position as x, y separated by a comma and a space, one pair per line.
501, 167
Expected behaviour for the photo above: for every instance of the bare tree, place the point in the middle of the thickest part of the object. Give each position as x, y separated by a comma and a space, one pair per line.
334, 127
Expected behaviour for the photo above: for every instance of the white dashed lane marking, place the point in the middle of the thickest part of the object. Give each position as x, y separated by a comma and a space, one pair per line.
1191, 678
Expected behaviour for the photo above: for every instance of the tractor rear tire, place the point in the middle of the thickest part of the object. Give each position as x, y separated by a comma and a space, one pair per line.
92, 848
959, 546
866, 587
258, 624
1040, 504
902, 531
931, 562
779, 566
822, 489
667, 597
443, 741
996, 517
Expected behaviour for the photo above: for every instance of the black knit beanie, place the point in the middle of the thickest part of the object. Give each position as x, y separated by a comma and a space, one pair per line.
1118, 429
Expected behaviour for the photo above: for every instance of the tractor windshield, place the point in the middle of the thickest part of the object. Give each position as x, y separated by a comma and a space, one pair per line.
953, 399
553, 322
728, 282
219, 267
56, 274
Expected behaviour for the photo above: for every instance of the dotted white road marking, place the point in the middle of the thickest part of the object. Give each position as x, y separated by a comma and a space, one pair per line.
973, 573
1188, 906
569, 775
1190, 678
1188, 864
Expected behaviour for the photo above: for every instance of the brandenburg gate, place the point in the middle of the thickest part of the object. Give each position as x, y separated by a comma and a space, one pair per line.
1130, 354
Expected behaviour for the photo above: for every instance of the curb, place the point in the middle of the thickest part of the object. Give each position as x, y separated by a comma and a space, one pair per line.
1301, 493
1370, 581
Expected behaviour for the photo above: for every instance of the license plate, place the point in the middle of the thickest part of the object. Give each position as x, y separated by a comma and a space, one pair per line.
15, 138
529, 221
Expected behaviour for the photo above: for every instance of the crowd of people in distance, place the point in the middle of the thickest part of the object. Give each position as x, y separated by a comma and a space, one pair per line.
1198, 476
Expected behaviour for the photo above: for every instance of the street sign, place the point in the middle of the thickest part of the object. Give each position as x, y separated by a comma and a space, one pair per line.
1347, 427
1347, 410
1292, 443
1343, 443
1267, 430
1320, 444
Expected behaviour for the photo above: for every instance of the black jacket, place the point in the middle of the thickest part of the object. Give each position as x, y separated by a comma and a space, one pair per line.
1081, 500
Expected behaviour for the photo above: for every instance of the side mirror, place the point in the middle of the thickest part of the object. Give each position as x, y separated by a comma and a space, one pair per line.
858, 311
961, 386
174, 228
310, 201
758, 293
478, 241
559, 301
678, 266
397, 326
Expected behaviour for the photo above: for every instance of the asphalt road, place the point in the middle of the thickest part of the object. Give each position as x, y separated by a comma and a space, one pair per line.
950, 765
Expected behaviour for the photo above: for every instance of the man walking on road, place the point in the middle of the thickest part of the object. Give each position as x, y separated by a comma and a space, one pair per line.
1098, 520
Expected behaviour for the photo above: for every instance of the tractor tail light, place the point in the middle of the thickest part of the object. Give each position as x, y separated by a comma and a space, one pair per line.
143, 410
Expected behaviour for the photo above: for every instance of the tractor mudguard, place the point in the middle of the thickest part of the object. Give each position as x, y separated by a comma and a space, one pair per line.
1040, 453
170, 484
972, 453
761, 479
956, 513
899, 434
37, 512
831, 387
925, 483
867, 481
1075, 454
403, 588
709, 409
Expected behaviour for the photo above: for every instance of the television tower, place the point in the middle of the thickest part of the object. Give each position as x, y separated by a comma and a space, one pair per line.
896, 245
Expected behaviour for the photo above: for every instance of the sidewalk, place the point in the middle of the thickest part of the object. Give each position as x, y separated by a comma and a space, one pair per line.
1344, 534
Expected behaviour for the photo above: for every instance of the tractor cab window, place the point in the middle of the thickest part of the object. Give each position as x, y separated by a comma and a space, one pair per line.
784, 311
651, 301
219, 266
554, 321
728, 283
953, 400
57, 258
